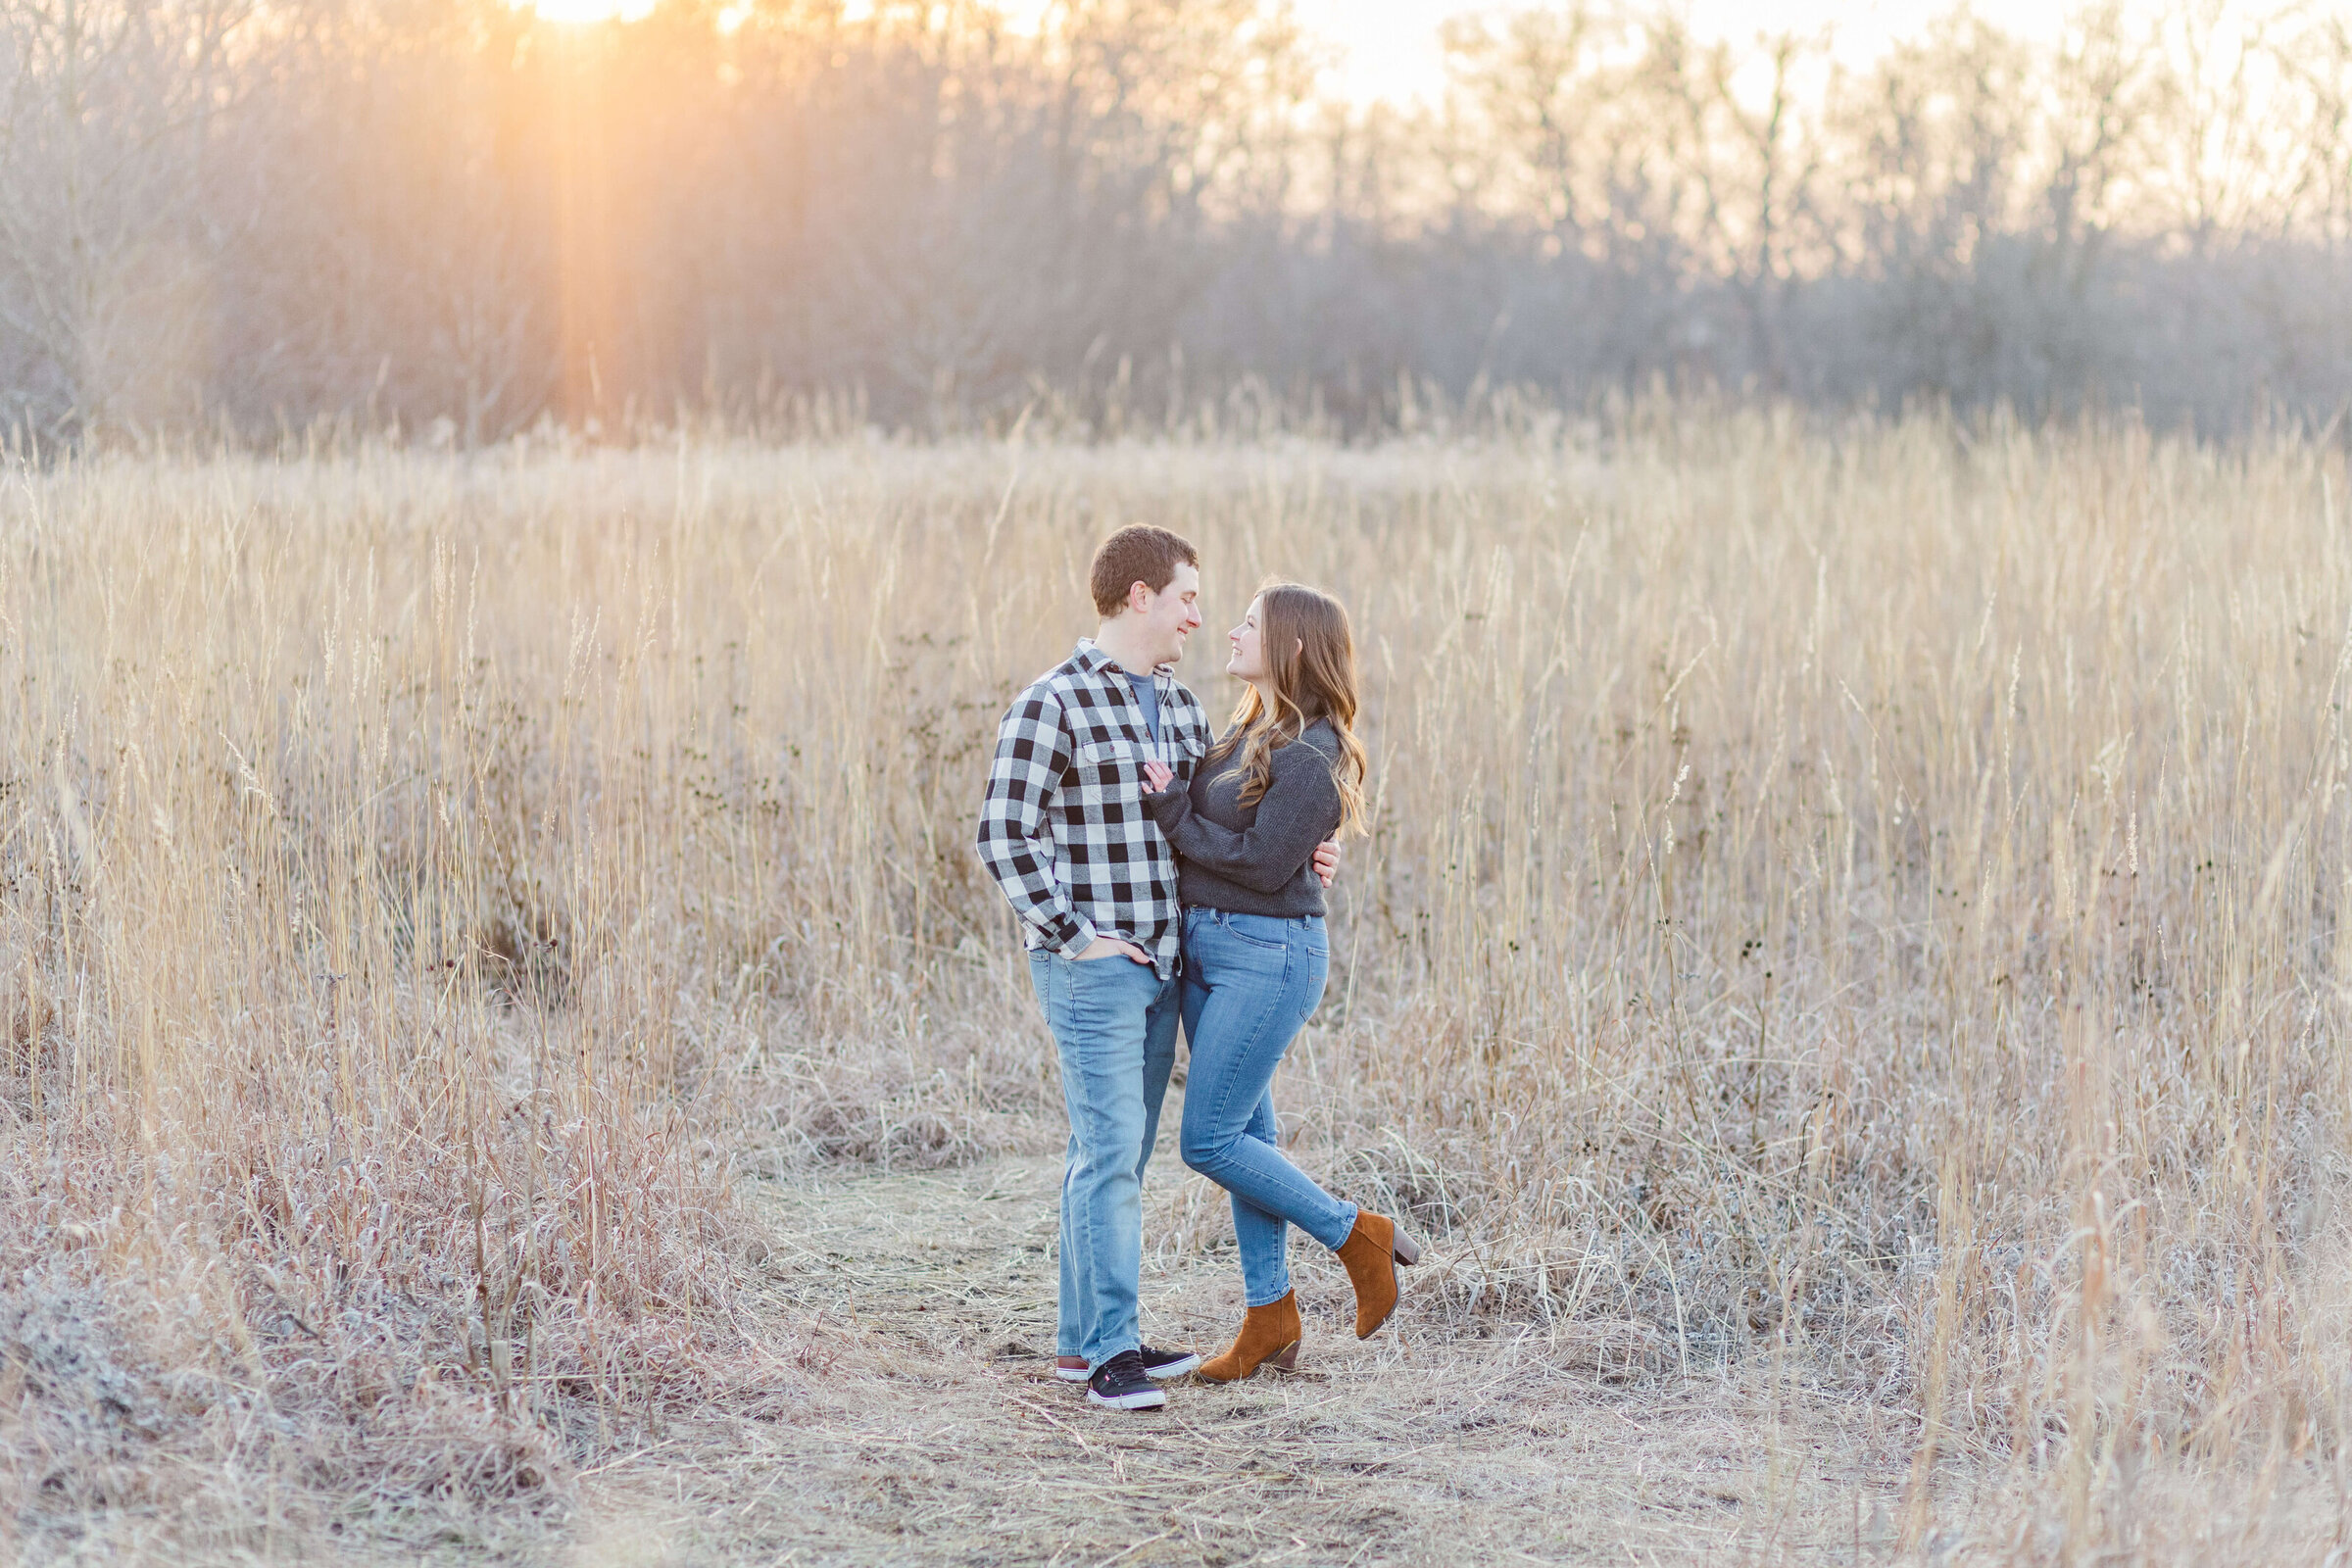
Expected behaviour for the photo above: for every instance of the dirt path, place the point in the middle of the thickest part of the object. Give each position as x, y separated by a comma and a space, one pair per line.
924, 1426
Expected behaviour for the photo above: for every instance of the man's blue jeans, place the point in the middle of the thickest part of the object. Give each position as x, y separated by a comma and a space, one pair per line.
1249, 981
1114, 1025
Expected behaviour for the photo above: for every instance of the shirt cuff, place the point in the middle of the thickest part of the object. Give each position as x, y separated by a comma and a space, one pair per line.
1070, 935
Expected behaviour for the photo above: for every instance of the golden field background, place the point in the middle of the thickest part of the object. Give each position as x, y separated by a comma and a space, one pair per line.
1854, 903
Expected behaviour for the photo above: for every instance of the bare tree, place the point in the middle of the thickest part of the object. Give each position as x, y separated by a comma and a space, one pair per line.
108, 110
427, 211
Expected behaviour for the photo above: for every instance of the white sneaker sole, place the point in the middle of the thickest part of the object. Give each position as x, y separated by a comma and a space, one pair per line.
1140, 1400
1174, 1369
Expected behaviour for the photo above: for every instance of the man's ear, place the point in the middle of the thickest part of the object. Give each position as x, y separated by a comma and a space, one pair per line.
1138, 596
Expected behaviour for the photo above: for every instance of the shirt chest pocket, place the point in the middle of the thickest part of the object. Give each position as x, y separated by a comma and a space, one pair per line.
1107, 768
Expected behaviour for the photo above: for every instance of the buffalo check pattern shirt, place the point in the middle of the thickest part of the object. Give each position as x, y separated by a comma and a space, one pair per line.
1062, 827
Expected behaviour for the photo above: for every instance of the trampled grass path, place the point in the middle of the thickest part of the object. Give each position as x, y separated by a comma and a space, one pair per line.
925, 1426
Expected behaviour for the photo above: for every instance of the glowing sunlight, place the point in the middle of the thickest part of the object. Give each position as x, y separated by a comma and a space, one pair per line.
581, 13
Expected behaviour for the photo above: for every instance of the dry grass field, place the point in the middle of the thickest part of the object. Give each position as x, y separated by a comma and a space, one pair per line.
506, 1052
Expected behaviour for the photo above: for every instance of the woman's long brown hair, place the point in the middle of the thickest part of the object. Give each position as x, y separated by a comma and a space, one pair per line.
1310, 658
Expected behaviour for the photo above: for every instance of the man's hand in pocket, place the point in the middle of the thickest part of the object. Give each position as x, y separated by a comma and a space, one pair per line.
1113, 946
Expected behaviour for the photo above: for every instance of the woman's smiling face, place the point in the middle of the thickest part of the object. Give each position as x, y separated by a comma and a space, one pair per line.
1249, 661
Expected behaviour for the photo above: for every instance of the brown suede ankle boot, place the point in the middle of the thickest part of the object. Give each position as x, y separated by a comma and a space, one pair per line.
1269, 1335
1372, 1252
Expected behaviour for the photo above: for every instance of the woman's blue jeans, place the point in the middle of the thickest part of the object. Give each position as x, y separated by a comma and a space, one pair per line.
1249, 981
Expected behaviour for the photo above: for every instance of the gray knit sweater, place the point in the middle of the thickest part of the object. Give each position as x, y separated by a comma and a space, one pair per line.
1258, 859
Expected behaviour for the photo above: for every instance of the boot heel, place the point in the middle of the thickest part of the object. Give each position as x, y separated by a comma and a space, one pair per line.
1285, 1360
1405, 1250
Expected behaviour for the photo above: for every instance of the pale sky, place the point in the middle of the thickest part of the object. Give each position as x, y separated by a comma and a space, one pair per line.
1390, 46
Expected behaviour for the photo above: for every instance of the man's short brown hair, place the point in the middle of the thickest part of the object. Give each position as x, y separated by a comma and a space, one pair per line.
1138, 554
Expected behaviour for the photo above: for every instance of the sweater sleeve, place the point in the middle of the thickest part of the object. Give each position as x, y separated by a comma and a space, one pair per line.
1300, 810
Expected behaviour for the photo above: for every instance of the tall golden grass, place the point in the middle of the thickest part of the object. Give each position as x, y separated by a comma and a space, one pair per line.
1865, 894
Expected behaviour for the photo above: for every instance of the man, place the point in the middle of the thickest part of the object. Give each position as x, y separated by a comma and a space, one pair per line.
1064, 833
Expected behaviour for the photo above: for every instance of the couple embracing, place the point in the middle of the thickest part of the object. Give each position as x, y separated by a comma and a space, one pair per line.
1161, 877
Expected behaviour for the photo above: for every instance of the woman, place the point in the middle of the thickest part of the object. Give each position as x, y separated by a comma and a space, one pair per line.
1287, 774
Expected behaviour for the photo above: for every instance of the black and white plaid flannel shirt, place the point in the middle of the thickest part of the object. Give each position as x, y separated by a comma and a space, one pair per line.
1062, 827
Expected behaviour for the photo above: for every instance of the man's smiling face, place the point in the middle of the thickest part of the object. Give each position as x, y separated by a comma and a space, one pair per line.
1169, 618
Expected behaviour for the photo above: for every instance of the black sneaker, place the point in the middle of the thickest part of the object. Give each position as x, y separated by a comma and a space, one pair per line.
1162, 1364
1166, 1364
1122, 1384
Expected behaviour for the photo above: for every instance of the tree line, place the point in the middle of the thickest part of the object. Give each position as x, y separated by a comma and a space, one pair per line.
452, 218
